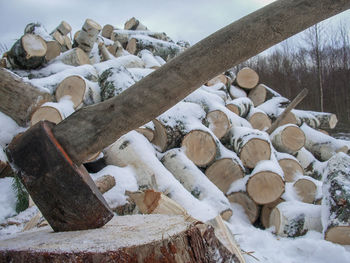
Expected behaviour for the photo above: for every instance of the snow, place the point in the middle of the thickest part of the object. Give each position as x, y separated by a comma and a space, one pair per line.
7, 199
237, 92
8, 129
65, 106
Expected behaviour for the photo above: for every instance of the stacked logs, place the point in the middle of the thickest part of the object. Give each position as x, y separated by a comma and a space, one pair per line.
211, 148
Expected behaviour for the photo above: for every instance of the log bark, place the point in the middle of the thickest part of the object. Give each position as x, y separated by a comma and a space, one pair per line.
123, 36
312, 167
80, 90
266, 212
265, 184
74, 57
240, 106
288, 138
18, 99
250, 145
105, 183
322, 146
28, 52
259, 119
52, 111
293, 219
164, 49
194, 180
184, 242
174, 81
336, 200
87, 35
247, 78
251, 209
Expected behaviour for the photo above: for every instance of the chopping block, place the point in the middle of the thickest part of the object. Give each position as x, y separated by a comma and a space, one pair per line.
64, 192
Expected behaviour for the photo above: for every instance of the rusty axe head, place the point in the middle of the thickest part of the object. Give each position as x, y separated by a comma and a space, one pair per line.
65, 193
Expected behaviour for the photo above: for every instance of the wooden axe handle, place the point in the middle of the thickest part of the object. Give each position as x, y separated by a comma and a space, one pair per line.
91, 129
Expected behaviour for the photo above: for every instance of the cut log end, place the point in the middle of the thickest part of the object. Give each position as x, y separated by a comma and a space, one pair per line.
266, 212
53, 50
34, 45
46, 113
251, 209
233, 108
260, 121
290, 168
265, 187
223, 173
247, 78
339, 235
73, 86
219, 123
107, 31
258, 95
148, 133
306, 190
160, 135
131, 47
254, 151
200, 147
293, 138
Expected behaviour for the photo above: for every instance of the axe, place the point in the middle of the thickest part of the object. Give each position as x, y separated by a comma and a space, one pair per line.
48, 158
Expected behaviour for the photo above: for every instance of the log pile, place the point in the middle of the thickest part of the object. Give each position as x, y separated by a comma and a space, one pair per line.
212, 148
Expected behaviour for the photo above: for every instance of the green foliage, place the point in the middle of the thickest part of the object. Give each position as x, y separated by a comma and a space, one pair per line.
21, 194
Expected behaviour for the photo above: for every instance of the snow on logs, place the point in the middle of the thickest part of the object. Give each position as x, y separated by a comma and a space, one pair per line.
87, 35
316, 120
240, 106
336, 200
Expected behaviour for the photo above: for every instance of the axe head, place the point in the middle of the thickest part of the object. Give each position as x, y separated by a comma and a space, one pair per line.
65, 193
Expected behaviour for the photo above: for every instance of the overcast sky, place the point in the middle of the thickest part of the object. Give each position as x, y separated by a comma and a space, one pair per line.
191, 20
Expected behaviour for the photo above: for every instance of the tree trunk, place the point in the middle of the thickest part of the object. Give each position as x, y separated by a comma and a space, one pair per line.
80, 91
265, 184
251, 209
250, 145
240, 106
293, 219
28, 52
87, 35
165, 50
137, 242
116, 49
174, 81
74, 57
288, 138
194, 180
18, 99
336, 200
247, 78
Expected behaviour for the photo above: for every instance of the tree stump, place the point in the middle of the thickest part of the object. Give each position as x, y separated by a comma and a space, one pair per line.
137, 238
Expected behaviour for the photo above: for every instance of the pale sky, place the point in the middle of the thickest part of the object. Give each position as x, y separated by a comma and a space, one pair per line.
190, 20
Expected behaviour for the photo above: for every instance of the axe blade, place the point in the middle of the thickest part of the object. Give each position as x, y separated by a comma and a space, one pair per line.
65, 193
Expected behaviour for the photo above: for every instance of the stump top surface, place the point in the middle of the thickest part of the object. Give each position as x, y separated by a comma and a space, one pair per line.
120, 232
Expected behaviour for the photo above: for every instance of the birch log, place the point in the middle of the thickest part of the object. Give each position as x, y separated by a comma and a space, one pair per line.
240, 106
251, 209
19, 99
293, 219
312, 167
290, 166
336, 200
247, 78
87, 35
74, 57
134, 24
316, 120
262, 93
258, 119
306, 189
288, 138
107, 31
266, 212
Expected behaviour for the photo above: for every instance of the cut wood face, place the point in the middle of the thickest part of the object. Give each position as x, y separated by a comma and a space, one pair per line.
34, 45
160, 135
258, 95
53, 50
260, 121
339, 235
265, 187
247, 78
93, 24
233, 108
218, 79
131, 46
148, 133
250, 207
223, 173
289, 119
46, 113
200, 147
254, 151
290, 168
293, 138
306, 190
219, 123
275, 219
266, 212
73, 86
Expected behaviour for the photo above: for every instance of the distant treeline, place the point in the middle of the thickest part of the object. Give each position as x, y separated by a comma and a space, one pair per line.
319, 60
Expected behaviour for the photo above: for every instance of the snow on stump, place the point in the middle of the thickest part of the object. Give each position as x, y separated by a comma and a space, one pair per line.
293, 218
28, 52
138, 238
336, 200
